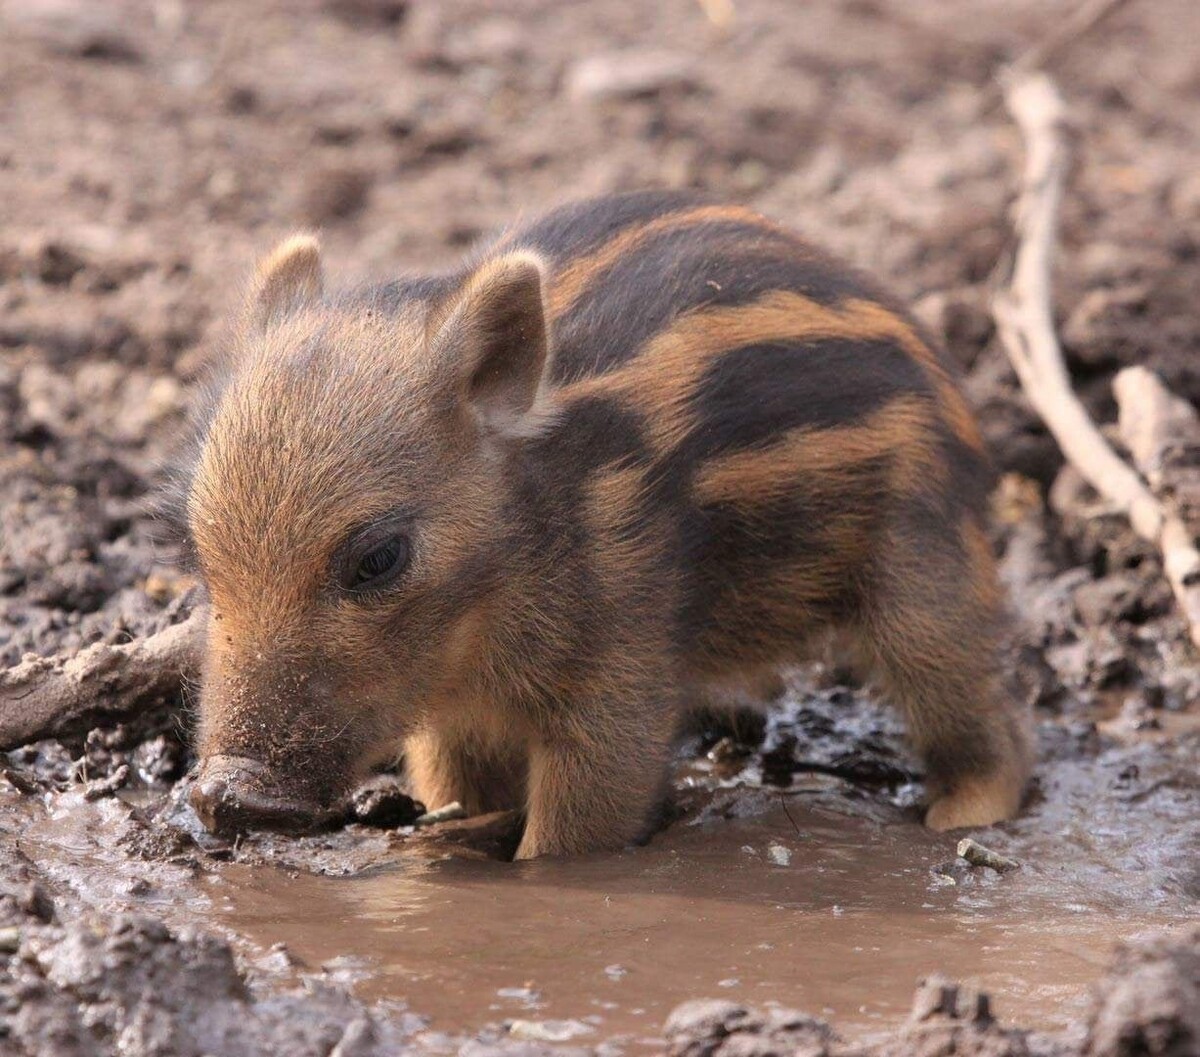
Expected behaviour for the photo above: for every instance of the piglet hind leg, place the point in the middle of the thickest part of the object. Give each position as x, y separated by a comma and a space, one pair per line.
596, 793
935, 630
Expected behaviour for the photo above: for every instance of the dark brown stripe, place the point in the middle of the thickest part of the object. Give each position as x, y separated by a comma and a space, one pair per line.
576, 277
660, 380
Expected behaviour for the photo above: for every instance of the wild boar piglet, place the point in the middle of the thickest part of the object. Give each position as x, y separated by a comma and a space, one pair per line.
511, 523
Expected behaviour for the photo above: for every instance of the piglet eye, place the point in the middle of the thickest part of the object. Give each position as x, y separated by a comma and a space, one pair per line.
374, 561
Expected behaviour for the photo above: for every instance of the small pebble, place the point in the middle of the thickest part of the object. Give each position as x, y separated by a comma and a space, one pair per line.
779, 855
630, 74
527, 995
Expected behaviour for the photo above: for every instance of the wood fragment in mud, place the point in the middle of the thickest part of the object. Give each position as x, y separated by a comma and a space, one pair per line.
1025, 317
1158, 427
494, 835
977, 855
50, 697
1025, 321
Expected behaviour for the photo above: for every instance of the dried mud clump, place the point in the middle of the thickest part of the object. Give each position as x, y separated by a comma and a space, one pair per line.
714, 1028
125, 984
946, 1019
1149, 1003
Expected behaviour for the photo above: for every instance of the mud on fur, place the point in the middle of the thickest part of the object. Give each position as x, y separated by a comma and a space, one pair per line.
513, 522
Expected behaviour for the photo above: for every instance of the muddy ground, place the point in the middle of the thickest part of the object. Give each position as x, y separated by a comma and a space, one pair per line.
148, 152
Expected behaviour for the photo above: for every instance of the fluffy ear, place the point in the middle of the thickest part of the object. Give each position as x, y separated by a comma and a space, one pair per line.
288, 278
493, 337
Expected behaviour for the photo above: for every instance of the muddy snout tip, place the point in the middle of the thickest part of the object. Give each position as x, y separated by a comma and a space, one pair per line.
232, 795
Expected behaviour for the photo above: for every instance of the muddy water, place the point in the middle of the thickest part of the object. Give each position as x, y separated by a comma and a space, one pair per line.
834, 914
827, 898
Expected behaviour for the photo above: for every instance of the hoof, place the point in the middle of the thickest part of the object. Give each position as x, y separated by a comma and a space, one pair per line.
975, 803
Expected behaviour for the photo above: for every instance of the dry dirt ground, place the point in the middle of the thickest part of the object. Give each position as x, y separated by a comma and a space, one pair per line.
149, 151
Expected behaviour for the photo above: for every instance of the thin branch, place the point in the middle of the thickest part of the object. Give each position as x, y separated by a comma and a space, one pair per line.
1068, 30
1025, 320
1078, 23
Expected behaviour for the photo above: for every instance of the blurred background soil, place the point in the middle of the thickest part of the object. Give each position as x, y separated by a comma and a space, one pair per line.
151, 149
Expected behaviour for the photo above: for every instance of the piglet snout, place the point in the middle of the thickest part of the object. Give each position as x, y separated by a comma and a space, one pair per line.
233, 794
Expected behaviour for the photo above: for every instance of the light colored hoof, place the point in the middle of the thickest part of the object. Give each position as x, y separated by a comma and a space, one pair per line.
974, 804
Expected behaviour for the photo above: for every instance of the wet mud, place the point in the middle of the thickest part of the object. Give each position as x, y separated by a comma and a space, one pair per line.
778, 884
148, 151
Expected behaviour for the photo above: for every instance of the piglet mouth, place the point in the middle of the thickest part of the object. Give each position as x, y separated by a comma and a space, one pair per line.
235, 794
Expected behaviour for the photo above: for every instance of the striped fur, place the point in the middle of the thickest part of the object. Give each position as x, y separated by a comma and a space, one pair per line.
737, 446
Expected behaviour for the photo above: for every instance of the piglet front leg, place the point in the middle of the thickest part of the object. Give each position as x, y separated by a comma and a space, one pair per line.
596, 792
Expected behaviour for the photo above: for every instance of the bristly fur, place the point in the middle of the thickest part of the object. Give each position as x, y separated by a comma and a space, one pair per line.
648, 450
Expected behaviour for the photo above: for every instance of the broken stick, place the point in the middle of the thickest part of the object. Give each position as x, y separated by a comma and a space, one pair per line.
977, 855
1025, 321
1156, 426
49, 697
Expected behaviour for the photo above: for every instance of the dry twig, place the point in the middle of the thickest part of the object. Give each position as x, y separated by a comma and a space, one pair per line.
1076, 24
53, 697
1025, 321
1065, 32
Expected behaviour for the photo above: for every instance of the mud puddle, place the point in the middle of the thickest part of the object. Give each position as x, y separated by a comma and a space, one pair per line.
806, 907
783, 881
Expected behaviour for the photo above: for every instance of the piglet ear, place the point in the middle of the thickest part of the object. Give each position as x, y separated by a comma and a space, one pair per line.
491, 337
287, 278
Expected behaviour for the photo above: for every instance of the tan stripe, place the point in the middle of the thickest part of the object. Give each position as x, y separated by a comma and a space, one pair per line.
580, 273
903, 430
660, 379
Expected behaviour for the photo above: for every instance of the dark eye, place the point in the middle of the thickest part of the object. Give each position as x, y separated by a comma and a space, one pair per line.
375, 560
